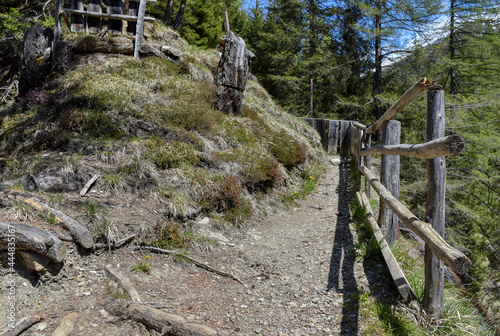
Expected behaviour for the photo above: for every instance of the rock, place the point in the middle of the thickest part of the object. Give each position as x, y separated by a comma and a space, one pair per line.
35, 58
204, 221
50, 182
34, 262
171, 52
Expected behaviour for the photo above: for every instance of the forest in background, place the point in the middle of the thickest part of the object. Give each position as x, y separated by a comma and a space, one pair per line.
361, 56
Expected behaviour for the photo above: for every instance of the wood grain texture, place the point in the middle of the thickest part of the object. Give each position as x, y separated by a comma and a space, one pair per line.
389, 177
435, 210
32, 238
397, 274
333, 136
450, 145
407, 98
458, 262
124, 283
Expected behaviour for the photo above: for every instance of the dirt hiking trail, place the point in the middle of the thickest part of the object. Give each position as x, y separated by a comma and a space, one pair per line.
298, 265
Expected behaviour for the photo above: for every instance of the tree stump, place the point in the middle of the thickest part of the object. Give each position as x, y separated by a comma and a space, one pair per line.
232, 74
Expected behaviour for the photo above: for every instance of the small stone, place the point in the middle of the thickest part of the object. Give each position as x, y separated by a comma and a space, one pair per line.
86, 293
315, 300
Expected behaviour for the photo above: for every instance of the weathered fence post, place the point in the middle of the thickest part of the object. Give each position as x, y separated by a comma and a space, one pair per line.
333, 136
321, 129
133, 9
367, 160
139, 27
77, 23
95, 23
115, 7
344, 137
389, 177
435, 211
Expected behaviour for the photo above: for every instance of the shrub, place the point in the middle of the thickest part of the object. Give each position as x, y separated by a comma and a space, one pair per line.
223, 194
262, 173
287, 150
168, 155
170, 235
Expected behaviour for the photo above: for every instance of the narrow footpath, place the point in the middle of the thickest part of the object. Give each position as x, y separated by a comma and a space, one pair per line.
299, 268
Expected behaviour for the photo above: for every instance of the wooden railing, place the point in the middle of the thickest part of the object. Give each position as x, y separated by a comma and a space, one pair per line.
391, 210
93, 13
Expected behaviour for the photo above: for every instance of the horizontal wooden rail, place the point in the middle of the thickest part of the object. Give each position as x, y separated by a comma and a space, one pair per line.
449, 145
450, 256
130, 18
406, 99
397, 274
359, 125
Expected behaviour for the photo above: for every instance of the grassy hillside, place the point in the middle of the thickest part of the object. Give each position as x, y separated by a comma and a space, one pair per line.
148, 127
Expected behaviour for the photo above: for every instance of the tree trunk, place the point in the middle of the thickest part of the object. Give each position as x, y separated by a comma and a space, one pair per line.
168, 12
179, 16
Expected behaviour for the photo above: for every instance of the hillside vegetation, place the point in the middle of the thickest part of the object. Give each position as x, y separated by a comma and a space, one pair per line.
149, 128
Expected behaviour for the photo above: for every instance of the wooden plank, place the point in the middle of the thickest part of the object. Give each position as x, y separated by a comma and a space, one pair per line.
458, 262
406, 99
133, 10
94, 23
344, 137
367, 160
108, 16
309, 121
450, 145
435, 211
333, 136
321, 129
139, 28
77, 22
389, 176
397, 274
115, 7
89, 184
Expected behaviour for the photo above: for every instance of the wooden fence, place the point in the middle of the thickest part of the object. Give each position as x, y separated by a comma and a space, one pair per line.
335, 134
94, 15
391, 211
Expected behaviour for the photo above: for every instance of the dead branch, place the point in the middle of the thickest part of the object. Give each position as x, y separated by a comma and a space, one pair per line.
124, 283
194, 261
23, 325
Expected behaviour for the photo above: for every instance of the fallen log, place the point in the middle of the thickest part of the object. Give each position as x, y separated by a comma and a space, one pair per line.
441, 249
31, 238
124, 283
397, 274
450, 145
66, 326
82, 235
163, 322
22, 325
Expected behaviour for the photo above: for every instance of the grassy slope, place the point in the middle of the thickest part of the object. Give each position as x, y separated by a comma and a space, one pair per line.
149, 128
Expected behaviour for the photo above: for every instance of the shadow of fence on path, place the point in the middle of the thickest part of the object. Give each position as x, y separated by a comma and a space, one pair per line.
341, 277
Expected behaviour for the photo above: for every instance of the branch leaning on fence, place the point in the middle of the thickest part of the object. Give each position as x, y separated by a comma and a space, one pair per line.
450, 145
408, 97
450, 256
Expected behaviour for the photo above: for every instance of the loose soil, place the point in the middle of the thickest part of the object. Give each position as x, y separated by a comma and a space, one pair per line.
299, 268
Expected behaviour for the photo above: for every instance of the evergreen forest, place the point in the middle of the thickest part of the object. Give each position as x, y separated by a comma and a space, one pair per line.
357, 58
